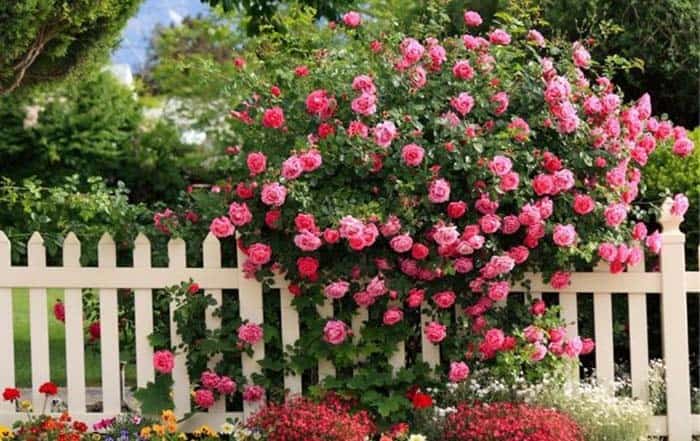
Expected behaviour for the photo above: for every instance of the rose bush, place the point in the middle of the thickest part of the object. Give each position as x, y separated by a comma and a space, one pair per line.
406, 174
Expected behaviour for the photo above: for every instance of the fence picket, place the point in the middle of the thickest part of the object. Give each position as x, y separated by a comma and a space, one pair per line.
177, 256
603, 320
143, 315
75, 345
569, 313
430, 351
290, 333
639, 347
7, 339
109, 331
211, 258
326, 367
358, 321
39, 323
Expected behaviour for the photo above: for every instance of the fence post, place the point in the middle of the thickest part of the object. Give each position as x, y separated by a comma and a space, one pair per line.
7, 361
674, 313
177, 256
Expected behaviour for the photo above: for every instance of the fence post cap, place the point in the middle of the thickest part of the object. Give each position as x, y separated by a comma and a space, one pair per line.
3, 238
142, 239
71, 239
669, 221
36, 239
106, 239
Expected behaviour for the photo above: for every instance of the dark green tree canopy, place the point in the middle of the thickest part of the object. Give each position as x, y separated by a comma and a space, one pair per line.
45, 40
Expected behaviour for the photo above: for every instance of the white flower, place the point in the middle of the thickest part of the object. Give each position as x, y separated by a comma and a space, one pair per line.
227, 428
417, 438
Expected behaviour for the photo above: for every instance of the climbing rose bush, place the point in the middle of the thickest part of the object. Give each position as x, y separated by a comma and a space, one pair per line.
397, 175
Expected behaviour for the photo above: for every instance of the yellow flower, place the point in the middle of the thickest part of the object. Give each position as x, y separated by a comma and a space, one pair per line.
158, 429
25, 405
168, 415
5, 433
207, 431
171, 427
146, 433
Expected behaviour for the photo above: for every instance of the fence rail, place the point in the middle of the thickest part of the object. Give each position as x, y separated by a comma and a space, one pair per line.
673, 282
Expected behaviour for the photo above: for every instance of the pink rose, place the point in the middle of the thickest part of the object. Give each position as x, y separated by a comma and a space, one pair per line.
498, 291
639, 231
273, 194
210, 380
412, 155
615, 214
444, 299
435, 332
533, 334
463, 265
509, 181
654, 242
499, 36
307, 267
335, 332
204, 398
364, 299
401, 243
539, 352
259, 253
564, 235
311, 160
607, 252
560, 279
538, 307
462, 70
439, 191
336, 290
415, 297
365, 104
680, 205
494, 339
222, 227
392, 316
411, 50
583, 204
358, 128
535, 37
292, 168
462, 103
317, 102
500, 99
307, 241
250, 333
500, 165
490, 223
446, 235
683, 147
510, 224
587, 346
472, 19
239, 214
519, 254
456, 210
253, 393
543, 184
384, 133
364, 84
581, 56
226, 386
163, 361
273, 118
459, 371
572, 348
352, 19
256, 162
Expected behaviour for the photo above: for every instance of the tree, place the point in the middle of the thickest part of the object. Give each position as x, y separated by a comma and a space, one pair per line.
46, 40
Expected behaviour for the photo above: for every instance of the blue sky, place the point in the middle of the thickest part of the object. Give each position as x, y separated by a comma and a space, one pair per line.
137, 34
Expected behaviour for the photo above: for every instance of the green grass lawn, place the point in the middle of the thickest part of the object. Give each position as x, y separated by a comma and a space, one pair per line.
57, 345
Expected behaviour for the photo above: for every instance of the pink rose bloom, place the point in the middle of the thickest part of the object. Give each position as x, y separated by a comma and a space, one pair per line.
222, 227
459, 371
455, 210
384, 133
572, 348
498, 291
462, 70
538, 307
317, 102
654, 242
563, 180
391, 227
438, 55
499, 36
364, 84
412, 155
564, 235
560, 279
683, 147
311, 160
352, 19
209, 380
539, 352
418, 77
257, 162
336, 290
292, 168
535, 37
587, 346
494, 339
226, 386
435, 332
510, 224
392, 316
444, 299
615, 214
519, 254
253, 393
462, 103
472, 19
533, 334
501, 101
250, 333
401, 243
204, 398
520, 129
415, 297
463, 265
273, 194
607, 252
259, 253
557, 335
273, 118
411, 50
639, 232
335, 332
364, 299
446, 235
583, 204
163, 361
543, 184
581, 56
365, 104
500, 165
490, 223
239, 214
680, 205
358, 128
351, 227
307, 241
439, 191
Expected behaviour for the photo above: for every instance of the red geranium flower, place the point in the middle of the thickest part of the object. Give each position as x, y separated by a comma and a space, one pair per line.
421, 400
11, 394
48, 388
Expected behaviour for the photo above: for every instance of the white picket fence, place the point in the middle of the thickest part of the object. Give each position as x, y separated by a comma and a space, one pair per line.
672, 283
